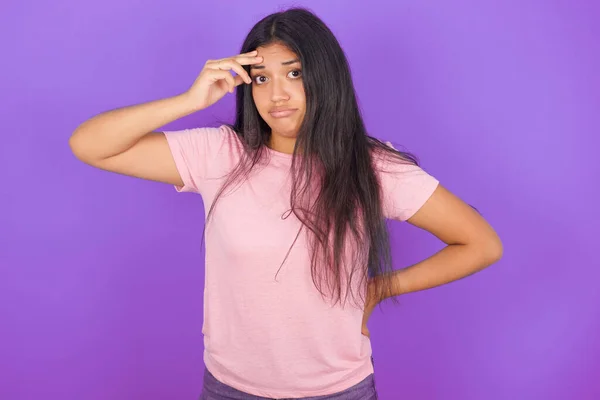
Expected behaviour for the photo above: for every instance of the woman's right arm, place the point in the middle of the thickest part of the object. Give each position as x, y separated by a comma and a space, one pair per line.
124, 140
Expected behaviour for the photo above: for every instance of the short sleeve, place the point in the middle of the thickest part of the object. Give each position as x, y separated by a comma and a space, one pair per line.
405, 188
199, 153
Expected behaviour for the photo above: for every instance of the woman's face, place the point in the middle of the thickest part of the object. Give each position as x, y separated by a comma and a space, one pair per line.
278, 91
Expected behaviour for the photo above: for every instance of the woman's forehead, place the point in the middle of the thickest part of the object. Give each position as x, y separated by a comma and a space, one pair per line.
275, 51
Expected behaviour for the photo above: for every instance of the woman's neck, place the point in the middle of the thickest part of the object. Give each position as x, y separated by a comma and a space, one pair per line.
282, 144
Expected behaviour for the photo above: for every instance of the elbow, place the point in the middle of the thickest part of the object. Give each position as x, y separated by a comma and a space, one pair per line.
78, 147
75, 147
486, 251
494, 250
73, 144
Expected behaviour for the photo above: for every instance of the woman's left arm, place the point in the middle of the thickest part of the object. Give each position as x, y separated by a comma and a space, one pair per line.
472, 244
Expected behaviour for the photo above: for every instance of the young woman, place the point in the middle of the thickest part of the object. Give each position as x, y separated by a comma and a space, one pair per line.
297, 193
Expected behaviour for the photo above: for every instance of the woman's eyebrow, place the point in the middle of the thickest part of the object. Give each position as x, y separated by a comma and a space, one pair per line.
296, 60
291, 61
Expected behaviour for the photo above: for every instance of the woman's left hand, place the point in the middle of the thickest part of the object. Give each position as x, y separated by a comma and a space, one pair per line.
369, 307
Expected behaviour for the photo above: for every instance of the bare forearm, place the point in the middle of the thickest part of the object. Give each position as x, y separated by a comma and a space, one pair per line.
115, 131
453, 262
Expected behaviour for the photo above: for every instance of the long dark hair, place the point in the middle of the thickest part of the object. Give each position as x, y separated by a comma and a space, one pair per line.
335, 190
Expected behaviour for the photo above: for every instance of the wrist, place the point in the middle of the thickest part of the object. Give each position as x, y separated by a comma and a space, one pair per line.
189, 104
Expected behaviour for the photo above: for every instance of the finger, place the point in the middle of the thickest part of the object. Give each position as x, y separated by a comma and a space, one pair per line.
217, 75
240, 70
214, 64
241, 59
250, 53
249, 60
233, 65
231, 82
238, 80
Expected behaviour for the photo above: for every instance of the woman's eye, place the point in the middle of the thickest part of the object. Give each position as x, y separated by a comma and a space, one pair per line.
260, 79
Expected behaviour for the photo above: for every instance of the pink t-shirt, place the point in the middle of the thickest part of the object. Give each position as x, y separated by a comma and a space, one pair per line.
267, 330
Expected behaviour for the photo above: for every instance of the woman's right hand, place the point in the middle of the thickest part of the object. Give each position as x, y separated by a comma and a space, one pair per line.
216, 80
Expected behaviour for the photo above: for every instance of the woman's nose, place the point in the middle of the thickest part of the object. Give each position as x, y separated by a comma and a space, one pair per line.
278, 91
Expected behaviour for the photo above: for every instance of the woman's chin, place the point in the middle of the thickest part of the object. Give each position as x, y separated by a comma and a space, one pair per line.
285, 129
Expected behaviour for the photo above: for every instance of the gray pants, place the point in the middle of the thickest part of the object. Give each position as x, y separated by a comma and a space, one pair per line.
215, 390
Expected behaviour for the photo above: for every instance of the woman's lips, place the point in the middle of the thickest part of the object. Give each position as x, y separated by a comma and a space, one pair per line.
283, 113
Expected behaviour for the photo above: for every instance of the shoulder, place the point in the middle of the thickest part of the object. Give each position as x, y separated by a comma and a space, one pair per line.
205, 146
203, 133
405, 185
393, 163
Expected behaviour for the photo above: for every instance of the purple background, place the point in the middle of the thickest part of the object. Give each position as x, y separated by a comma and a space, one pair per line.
101, 275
